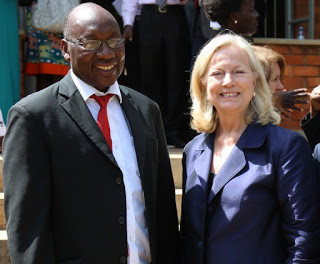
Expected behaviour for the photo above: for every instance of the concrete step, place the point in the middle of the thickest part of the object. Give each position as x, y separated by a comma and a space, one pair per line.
2, 218
176, 165
4, 254
1, 184
178, 202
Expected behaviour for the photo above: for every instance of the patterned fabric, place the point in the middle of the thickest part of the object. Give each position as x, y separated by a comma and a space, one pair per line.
43, 52
161, 3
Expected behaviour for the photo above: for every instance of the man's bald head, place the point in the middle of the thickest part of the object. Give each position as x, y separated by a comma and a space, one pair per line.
86, 13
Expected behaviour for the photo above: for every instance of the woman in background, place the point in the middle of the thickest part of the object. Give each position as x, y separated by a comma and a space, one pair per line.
237, 16
44, 58
273, 64
250, 188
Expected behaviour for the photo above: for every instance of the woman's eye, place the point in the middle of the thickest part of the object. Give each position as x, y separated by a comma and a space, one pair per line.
239, 73
217, 74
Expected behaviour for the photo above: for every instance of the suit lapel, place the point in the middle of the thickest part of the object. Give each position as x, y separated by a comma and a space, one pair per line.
233, 165
252, 137
206, 148
76, 107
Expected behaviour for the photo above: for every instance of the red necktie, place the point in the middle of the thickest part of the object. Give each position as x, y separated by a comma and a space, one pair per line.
103, 122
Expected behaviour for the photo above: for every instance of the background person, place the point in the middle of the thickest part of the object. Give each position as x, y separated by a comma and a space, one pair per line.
238, 16
273, 64
164, 59
311, 122
74, 193
43, 55
248, 184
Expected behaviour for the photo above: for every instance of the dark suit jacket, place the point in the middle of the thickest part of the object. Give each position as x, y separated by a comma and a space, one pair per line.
311, 127
263, 206
64, 194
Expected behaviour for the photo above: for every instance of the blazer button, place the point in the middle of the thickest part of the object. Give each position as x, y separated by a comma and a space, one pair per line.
123, 259
118, 180
199, 244
121, 220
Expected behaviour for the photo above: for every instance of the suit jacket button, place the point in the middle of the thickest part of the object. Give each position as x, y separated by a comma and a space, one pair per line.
121, 220
123, 259
118, 180
199, 244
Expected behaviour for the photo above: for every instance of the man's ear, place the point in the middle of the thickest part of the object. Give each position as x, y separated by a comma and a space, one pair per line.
233, 17
65, 50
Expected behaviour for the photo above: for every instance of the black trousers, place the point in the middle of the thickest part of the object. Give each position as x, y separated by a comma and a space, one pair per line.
164, 63
132, 62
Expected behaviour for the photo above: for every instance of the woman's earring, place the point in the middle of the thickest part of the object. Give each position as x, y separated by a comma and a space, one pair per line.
254, 94
236, 21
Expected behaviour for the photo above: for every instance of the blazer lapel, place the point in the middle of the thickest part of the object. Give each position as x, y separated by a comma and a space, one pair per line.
252, 137
233, 165
76, 107
205, 157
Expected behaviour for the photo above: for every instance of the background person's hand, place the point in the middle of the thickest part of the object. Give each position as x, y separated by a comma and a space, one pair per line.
285, 112
127, 33
288, 99
315, 101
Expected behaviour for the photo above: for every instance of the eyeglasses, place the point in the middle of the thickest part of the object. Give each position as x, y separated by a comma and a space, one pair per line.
96, 44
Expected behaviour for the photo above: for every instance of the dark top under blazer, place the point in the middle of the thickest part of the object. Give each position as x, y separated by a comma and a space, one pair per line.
311, 127
64, 193
264, 202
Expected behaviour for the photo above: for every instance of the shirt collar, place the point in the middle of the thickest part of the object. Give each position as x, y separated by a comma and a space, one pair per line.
87, 90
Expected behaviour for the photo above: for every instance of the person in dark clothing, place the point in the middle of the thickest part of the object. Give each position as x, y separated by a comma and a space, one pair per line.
237, 16
311, 122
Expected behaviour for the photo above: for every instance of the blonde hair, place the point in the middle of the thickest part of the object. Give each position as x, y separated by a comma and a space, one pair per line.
203, 114
267, 56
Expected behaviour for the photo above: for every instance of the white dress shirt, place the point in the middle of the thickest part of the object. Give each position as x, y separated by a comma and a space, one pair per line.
124, 152
131, 7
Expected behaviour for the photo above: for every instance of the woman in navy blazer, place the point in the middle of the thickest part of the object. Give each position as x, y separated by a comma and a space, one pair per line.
250, 189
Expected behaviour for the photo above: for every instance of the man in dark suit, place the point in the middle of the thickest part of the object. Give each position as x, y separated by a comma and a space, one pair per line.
70, 197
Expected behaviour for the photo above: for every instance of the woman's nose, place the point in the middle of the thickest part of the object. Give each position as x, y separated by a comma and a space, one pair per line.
280, 86
228, 79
